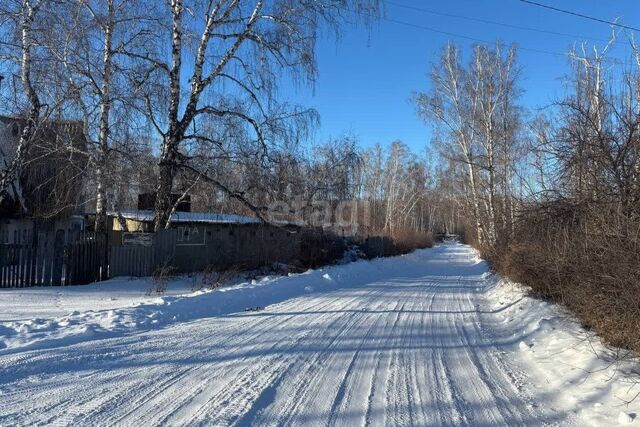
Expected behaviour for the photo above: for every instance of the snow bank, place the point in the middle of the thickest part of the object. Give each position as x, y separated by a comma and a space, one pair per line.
110, 308
573, 368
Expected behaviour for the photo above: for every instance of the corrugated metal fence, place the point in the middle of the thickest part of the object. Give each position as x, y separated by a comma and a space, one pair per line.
140, 261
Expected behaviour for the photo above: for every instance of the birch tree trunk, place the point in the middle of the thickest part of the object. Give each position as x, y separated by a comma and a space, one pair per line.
177, 125
171, 140
105, 107
12, 172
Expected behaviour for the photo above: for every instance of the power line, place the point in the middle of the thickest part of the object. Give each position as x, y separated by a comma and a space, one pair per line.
485, 42
450, 34
486, 21
477, 40
580, 15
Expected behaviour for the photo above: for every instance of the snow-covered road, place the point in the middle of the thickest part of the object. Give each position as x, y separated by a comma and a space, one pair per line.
422, 346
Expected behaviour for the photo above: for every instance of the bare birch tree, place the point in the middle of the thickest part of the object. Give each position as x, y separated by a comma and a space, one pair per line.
242, 47
22, 16
453, 105
476, 116
92, 46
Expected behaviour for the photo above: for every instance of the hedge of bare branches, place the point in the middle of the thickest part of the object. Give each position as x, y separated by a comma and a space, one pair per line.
588, 258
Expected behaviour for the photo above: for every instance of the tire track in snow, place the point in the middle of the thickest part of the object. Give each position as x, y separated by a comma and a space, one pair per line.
310, 374
352, 374
167, 377
235, 375
287, 346
238, 369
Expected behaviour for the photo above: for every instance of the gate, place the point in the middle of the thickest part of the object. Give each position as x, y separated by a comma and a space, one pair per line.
87, 260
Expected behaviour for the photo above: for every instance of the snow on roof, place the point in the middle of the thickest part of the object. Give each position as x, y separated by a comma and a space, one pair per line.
207, 217
202, 217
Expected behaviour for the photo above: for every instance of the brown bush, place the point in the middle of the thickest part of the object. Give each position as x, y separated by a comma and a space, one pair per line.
214, 277
405, 240
585, 257
396, 243
319, 247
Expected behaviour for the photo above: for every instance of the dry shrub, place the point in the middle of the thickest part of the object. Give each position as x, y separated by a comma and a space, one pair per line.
319, 247
213, 278
397, 243
585, 257
160, 279
406, 240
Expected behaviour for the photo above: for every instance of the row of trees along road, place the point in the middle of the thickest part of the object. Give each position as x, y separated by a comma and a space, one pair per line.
478, 129
502, 158
550, 196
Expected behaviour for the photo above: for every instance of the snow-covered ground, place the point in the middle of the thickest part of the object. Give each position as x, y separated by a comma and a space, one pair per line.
52, 302
429, 338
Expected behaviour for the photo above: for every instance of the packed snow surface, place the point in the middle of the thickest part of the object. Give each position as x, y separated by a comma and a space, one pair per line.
426, 339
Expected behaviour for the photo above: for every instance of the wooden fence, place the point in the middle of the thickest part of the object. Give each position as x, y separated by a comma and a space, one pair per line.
22, 265
53, 262
32, 265
88, 258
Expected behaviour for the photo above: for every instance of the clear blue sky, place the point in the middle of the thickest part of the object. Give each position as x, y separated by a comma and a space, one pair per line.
366, 78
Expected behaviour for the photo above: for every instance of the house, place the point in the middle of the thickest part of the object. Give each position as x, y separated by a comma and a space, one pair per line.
44, 200
204, 239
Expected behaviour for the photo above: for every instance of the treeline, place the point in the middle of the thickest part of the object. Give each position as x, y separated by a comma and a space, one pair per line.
397, 187
551, 198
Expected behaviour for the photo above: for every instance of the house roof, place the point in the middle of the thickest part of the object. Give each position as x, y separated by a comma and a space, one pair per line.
191, 217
